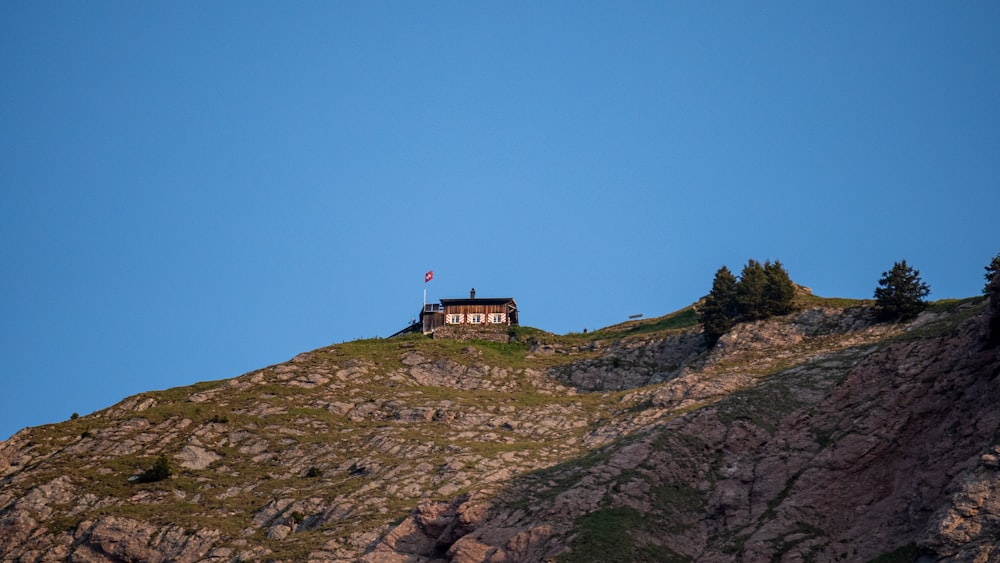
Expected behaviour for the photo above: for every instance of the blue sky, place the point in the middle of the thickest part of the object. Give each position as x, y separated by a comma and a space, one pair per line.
193, 190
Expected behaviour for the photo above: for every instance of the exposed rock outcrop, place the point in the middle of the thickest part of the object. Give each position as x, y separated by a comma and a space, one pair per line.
993, 331
627, 364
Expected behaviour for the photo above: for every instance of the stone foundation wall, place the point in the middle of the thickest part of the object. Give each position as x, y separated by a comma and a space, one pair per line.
489, 332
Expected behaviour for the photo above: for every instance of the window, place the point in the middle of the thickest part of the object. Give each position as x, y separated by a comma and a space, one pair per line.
496, 318
476, 318
454, 319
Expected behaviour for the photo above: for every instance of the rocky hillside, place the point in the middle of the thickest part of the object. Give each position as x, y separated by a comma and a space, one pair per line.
814, 437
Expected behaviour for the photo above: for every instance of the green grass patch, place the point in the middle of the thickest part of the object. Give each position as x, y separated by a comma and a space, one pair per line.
950, 305
530, 335
606, 535
682, 319
953, 313
386, 354
807, 301
679, 497
182, 393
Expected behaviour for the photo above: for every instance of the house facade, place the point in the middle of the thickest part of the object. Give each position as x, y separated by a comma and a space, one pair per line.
481, 318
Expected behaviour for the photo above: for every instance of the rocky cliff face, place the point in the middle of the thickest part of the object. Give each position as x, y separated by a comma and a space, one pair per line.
819, 436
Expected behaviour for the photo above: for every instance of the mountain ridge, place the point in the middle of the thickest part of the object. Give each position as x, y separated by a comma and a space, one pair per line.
631, 443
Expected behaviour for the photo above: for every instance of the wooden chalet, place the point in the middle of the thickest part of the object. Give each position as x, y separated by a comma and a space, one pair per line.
471, 311
474, 317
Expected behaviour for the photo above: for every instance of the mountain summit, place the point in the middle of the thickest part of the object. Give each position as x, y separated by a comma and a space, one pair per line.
815, 436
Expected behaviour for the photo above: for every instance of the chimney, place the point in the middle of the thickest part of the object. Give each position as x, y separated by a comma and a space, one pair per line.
472, 293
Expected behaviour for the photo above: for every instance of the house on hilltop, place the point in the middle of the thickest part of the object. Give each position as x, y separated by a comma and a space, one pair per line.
473, 318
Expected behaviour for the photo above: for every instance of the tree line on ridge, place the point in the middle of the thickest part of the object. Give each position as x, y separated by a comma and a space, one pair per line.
765, 290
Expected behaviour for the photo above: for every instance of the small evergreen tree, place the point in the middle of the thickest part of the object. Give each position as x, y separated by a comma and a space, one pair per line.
900, 294
158, 472
719, 312
779, 290
991, 270
751, 291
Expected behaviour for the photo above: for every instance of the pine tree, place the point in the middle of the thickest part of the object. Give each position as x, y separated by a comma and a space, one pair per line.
719, 312
900, 294
779, 291
750, 292
991, 270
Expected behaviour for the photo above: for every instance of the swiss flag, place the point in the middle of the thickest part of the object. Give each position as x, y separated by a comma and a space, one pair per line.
429, 276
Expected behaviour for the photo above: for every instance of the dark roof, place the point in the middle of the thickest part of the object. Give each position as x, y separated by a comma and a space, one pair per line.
479, 301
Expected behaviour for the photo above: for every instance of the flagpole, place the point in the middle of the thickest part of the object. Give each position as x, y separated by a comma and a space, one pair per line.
427, 277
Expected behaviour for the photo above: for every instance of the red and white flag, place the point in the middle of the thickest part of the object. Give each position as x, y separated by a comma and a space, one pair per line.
429, 276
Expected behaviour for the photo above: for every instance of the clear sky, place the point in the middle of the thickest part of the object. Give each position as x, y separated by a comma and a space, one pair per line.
193, 190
